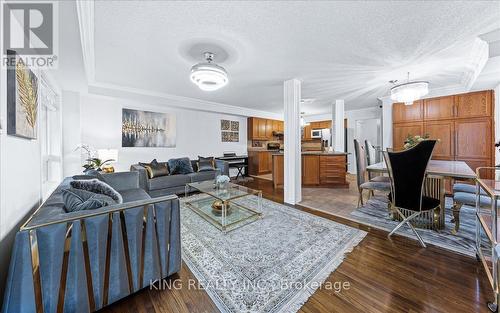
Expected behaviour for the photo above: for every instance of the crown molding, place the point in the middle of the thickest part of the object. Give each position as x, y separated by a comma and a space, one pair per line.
85, 12
86, 19
477, 59
159, 98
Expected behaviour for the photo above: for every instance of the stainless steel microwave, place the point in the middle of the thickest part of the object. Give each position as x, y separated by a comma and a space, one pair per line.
316, 133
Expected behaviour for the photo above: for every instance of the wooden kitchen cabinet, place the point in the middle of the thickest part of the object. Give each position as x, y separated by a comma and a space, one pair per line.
306, 132
444, 132
474, 104
407, 113
332, 169
256, 128
281, 126
269, 129
321, 124
439, 108
318, 170
473, 138
401, 132
463, 123
259, 162
310, 170
262, 129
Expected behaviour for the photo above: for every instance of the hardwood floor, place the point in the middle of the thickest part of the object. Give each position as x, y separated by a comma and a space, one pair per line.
384, 275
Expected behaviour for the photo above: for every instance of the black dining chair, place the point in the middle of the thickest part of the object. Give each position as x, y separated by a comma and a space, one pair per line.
407, 171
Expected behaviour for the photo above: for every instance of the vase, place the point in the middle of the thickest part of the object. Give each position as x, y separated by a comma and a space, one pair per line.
222, 186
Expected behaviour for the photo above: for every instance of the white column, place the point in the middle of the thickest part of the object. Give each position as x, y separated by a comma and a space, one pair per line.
293, 157
339, 131
386, 122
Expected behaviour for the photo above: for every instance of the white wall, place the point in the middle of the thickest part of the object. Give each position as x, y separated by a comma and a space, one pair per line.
352, 117
20, 173
198, 132
72, 133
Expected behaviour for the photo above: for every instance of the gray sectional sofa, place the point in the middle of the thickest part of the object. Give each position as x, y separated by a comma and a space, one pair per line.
175, 184
104, 254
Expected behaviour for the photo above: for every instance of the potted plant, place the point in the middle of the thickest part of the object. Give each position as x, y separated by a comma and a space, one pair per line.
412, 141
93, 164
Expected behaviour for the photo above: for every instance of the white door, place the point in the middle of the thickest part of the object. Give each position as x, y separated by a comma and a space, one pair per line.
369, 129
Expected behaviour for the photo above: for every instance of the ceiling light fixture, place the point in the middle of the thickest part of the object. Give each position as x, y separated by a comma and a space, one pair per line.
209, 76
409, 91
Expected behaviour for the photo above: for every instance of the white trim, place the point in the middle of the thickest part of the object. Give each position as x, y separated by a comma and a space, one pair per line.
85, 11
478, 57
117, 91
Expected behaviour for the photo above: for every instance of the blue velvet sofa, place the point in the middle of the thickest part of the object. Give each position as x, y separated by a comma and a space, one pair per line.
83, 261
175, 184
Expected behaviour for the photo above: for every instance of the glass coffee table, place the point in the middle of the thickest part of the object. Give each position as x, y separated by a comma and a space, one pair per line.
225, 208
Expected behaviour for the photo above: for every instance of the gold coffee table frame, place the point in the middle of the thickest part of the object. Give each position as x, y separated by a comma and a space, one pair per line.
233, 214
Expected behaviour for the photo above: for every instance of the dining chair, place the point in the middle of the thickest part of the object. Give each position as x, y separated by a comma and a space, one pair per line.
371, 157
407, 171
377, 183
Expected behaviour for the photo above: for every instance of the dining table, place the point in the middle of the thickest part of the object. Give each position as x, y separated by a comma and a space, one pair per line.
438, 171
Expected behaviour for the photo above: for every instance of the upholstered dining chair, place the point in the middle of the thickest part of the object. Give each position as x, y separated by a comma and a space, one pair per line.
377, 183
371, 157
407, 171
371, 153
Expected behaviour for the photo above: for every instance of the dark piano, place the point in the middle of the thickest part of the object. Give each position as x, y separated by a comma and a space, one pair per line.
240, 162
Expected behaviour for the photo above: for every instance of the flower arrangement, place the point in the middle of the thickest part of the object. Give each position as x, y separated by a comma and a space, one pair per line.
222, 180
412, 141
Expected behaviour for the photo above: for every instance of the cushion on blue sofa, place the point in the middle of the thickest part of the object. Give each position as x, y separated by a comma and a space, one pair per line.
180, 166
97, 186
202, 176
205, 164
134, 195
79, 199
168, 181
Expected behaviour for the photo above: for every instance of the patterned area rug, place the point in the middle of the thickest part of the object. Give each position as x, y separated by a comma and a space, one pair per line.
375, 214
271, 265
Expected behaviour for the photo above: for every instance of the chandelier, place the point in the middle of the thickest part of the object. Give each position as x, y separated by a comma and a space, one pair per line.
209, 76
409, 91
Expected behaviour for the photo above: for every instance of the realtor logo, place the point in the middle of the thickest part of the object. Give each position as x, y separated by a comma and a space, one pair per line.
29, 29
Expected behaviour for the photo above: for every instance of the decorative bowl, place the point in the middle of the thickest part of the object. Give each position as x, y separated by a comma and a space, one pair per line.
217, 208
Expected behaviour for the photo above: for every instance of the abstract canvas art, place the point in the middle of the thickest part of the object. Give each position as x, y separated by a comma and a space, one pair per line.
148, 129
230, 131
225, 124
22, 99
235, 126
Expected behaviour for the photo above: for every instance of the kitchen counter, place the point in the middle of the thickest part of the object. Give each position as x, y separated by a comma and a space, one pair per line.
319, 169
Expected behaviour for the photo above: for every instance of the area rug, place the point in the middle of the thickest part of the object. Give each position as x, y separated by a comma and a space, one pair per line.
374, 213
271, 265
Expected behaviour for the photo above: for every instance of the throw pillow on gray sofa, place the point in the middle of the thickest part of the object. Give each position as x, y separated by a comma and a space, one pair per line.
155, 169
180, 166
97, 186
206, 164
79, 199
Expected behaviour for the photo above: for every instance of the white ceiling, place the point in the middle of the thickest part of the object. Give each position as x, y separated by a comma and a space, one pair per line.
340, 50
